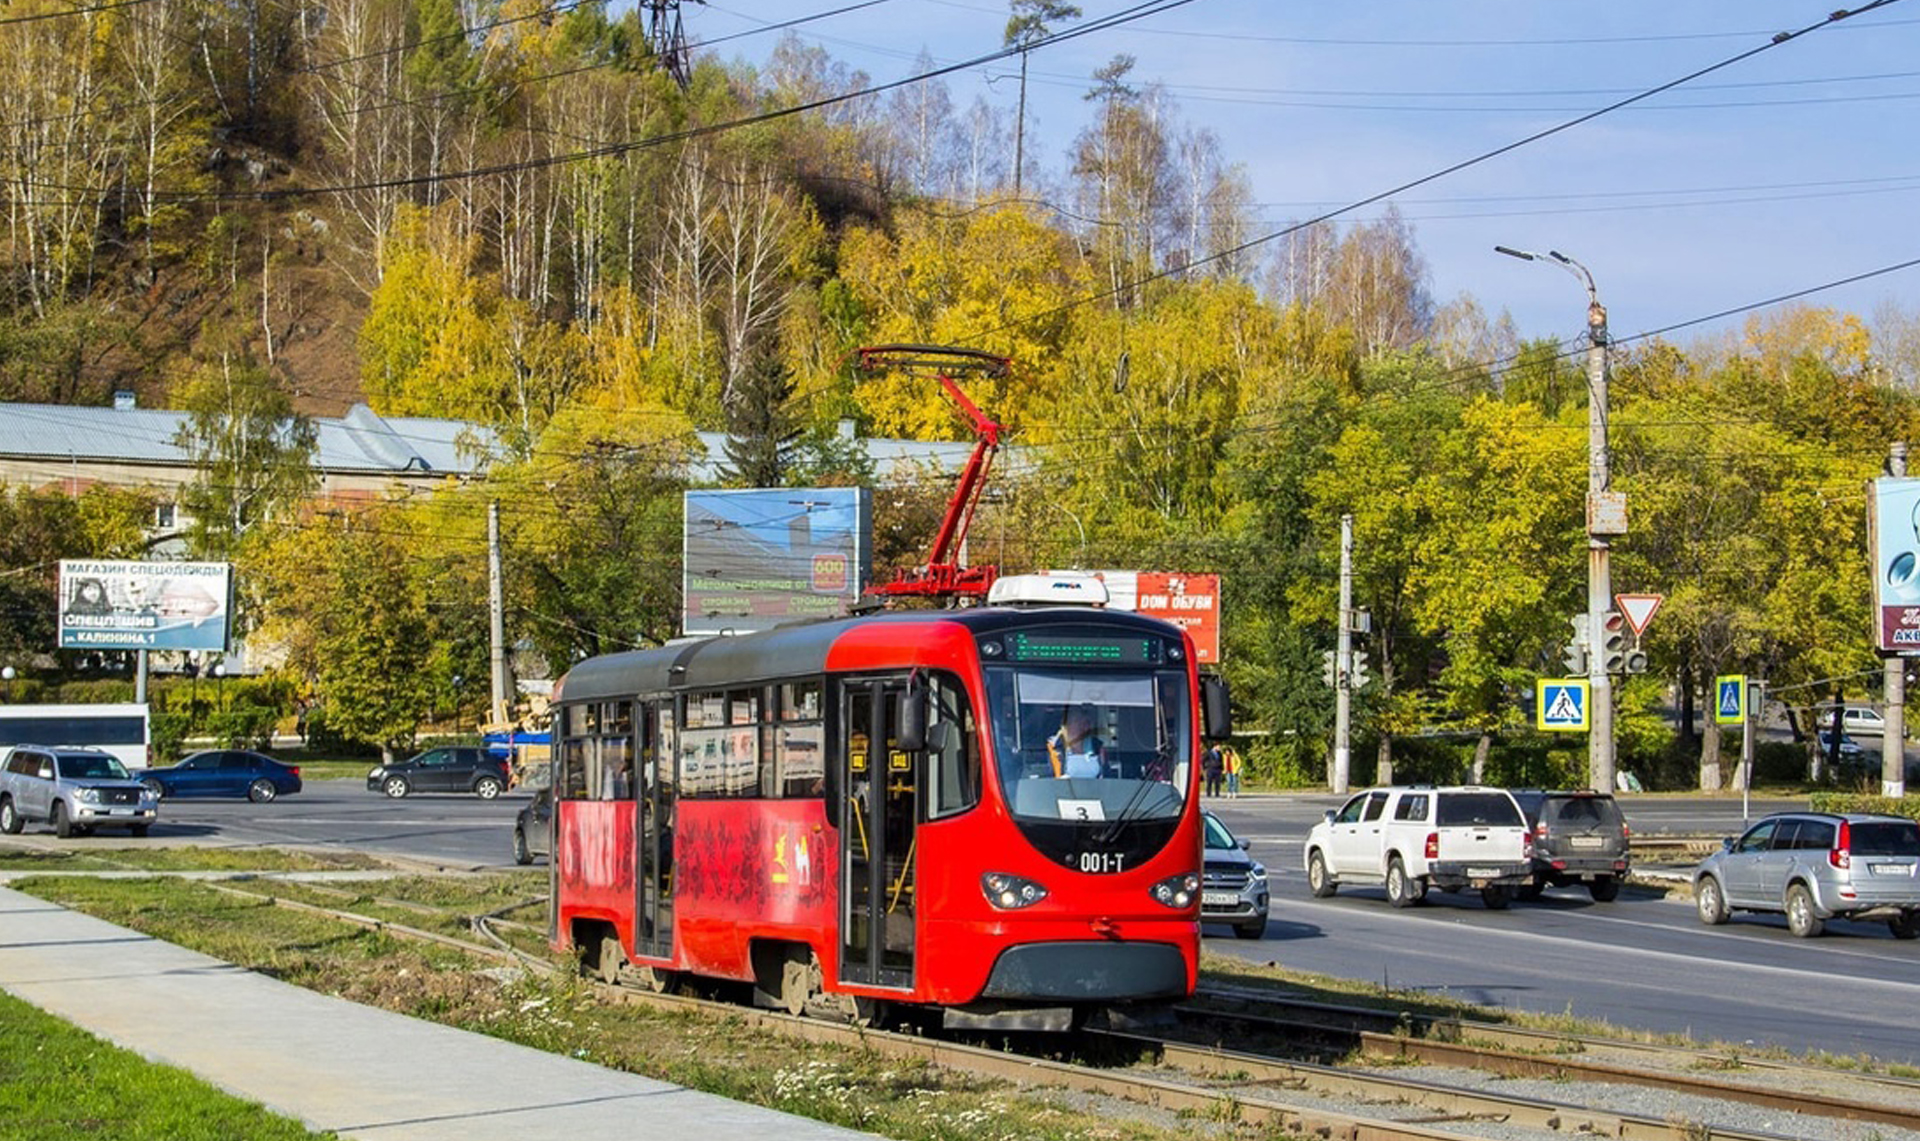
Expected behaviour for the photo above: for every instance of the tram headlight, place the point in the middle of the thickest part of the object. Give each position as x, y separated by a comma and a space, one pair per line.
1011, 893
1177, 892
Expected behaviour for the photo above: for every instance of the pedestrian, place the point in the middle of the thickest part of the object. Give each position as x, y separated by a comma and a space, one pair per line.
1211, 767
1230, 764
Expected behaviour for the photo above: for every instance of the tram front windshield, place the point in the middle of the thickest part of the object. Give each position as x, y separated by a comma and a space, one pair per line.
1089, 745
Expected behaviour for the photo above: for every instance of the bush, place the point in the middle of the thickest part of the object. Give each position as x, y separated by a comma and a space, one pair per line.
1289, 762
1908, 805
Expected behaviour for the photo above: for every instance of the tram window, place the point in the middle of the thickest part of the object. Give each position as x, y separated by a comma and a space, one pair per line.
743, 707
705, 709
800, 701
572, 784
799, 758
616, 768
617, 719
953, 749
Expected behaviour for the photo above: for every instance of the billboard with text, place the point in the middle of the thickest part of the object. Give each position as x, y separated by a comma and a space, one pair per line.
115, 605
758, 557
1893, 543
1190, 601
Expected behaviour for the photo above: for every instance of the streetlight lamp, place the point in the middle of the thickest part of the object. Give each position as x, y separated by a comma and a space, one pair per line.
7, 674
1606, 517
219, 672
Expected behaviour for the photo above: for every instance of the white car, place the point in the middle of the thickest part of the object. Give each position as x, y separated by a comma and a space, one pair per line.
1856, 719
1409, 839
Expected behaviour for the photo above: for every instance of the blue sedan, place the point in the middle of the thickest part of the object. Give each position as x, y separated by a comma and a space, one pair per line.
225, 772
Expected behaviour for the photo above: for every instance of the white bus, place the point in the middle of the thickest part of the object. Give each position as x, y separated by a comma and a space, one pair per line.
120, 729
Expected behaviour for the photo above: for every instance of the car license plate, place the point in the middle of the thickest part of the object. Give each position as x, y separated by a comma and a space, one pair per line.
1219, 899
1586, 841
1891, 869
1483, 873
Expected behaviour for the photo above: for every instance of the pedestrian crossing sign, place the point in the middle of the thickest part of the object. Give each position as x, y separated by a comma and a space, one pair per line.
1730, 699
1560, 704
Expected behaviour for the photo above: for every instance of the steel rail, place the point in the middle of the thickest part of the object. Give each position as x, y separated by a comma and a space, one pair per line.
1562, 1066
1244, 1092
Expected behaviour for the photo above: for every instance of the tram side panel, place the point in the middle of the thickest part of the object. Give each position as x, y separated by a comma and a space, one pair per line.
746, 870
594, 859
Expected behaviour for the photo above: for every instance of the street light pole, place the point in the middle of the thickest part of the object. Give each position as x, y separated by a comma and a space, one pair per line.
1606, 517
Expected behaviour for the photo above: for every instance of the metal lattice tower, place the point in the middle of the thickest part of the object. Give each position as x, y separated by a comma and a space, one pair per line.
667, 40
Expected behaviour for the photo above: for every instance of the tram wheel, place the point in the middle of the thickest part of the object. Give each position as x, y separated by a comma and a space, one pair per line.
800, 979
659, 980
612, 958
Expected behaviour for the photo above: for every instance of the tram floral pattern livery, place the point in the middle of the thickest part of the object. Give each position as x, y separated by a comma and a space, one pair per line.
746, 856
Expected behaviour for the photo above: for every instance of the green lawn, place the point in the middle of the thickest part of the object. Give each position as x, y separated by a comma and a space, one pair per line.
58, 1082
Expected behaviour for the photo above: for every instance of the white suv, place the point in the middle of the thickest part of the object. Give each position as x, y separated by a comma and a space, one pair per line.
1410, 839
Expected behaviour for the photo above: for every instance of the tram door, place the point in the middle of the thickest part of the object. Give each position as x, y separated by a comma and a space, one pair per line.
653, 834
875, 816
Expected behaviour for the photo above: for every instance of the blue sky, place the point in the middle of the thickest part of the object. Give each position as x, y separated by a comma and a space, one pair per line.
1787, 170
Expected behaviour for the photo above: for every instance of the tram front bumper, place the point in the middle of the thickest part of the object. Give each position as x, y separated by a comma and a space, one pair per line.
1088, 971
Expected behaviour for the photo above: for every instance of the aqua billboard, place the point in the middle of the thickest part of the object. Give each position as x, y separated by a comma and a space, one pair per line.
760, 557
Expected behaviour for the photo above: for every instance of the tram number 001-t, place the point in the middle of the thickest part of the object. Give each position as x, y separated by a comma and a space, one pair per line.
1101, 863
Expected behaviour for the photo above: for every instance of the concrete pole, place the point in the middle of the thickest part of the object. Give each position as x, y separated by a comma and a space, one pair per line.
1893, 741
1600, 756
1343, 667
140, 677
497, 619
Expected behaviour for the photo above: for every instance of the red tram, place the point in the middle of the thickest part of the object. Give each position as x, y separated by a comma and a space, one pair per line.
866, 810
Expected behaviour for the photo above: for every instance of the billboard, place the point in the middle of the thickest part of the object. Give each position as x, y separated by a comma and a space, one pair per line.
759, 557
144, 606
1190, 601
1893, 546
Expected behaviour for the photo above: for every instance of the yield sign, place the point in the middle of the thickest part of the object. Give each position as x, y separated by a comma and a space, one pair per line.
1638, 609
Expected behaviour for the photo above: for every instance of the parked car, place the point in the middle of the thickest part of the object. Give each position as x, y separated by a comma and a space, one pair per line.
1578, 838
1851, 754
1410, 839
1233, 886
533, 828
76, 790
1816, 866
224, 772
1856, 719
452, 769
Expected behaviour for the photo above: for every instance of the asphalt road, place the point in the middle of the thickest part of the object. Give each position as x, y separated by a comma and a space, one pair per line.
1644, 961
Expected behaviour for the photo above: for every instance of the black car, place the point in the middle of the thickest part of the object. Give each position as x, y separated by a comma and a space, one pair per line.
458, 768
224, 772
1578, 838
533, 828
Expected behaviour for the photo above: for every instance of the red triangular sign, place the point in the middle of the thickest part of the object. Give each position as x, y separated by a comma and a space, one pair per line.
1638, 609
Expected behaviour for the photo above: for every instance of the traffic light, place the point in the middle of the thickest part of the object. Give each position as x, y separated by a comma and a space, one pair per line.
1574, 654
1613, 643
1326, 667
1358, 677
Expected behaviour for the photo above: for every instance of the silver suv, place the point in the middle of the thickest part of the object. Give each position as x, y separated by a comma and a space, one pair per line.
75, 790
1235, 888
1816, 866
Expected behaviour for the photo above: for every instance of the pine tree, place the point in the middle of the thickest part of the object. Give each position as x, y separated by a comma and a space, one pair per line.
762, 429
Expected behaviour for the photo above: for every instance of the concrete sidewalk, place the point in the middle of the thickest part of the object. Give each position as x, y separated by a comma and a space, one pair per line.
337, 1065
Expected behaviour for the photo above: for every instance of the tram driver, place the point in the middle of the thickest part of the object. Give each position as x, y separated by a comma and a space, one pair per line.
1074, 751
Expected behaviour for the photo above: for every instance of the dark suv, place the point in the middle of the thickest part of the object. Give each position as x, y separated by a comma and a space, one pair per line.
1578, 837
453, 769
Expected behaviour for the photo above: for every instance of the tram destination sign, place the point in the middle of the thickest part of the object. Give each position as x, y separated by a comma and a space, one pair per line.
759, 557
1024, 647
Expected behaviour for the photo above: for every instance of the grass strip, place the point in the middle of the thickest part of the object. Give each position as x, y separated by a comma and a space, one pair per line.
59, 1083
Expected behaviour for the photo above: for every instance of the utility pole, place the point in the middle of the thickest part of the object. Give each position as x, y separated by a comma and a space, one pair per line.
1343, 666
1606, 517
502, 705
1893, 739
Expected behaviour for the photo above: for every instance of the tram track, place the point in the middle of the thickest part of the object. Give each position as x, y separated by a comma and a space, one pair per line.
1208, 1082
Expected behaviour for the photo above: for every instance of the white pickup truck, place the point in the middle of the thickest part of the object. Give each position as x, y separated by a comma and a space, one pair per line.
1409, 839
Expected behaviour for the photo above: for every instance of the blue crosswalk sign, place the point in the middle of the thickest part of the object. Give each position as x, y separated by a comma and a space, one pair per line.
1730, 699
1560, 704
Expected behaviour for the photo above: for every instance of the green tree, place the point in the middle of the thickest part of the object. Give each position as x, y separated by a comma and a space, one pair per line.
253, 454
